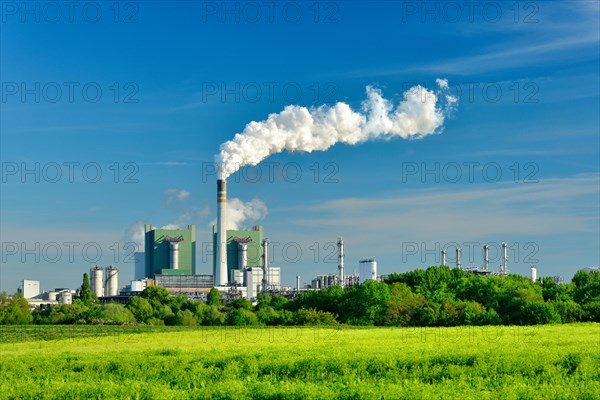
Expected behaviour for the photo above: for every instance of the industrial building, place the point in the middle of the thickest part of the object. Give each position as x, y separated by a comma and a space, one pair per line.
170, 251
139, 259
238, 243
29, 288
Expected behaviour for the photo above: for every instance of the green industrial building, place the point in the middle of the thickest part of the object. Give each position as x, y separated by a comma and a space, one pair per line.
170, 251
253, 238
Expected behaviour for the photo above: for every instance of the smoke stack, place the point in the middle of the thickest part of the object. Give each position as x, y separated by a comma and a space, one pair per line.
265, 281
504, 266
221, 256
443, 258
458, 257
297, 283
341, 260
486, 259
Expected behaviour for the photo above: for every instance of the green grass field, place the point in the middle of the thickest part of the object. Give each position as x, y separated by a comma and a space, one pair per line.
540, 362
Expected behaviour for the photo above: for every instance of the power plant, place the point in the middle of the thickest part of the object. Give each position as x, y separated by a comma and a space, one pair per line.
242, 265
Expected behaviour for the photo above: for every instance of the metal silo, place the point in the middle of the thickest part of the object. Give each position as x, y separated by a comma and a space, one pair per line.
66, 298
97, 281
367, 269
112, 281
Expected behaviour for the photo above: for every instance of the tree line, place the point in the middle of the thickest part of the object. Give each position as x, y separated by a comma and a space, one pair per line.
436, 296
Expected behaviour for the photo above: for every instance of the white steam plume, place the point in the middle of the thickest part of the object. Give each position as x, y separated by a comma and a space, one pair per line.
420, 113
136, 233
240, 213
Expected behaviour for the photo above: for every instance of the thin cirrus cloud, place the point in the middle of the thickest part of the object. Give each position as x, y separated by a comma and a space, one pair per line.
554, 205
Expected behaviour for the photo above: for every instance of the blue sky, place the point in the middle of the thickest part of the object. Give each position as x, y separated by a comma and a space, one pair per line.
153, 90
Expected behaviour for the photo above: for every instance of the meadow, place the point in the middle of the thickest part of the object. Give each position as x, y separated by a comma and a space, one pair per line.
489, 362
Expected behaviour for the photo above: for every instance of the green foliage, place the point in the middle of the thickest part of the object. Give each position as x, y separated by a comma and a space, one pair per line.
241, 317
111, 313
587, 286
14, 310
156, 295
569, 311
141, 308
315, 317
214, 297
86, 296
538, 312
61, 314
185, 318
212, 316
241, 304
365, 304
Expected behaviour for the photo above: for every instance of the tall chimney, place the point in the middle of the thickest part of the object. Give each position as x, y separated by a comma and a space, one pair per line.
458, 257
221, 256
486, 259
265, 281
341, 260
443, 258
504, 266
297, 283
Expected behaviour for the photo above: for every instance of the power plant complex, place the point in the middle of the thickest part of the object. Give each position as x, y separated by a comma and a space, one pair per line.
241, 266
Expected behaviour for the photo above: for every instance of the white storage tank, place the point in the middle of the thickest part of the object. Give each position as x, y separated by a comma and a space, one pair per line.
97, 281
367, 269
52, 296
66, 298
112, 281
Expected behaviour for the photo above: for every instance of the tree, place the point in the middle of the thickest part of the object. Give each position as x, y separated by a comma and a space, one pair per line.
587, 286
156, 295
140, 308
401, 306
214, 297
365, 304
86, 295
315, 317
241, 317
111, 313
14, 310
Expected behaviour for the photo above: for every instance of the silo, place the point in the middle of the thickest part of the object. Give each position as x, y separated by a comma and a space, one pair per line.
52, 296
533, 273
66, 298
367, 269
112, 281
96, 280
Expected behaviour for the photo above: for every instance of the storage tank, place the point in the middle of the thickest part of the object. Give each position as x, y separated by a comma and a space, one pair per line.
533, 273
52, 296
66, 298
97, 281
367, 269
112, 281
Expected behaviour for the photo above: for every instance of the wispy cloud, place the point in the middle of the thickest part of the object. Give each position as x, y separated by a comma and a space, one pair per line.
545, 208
